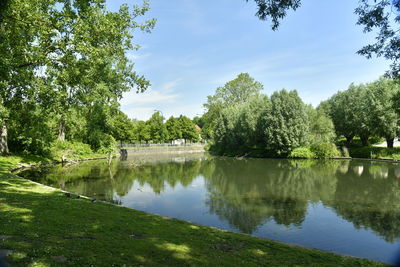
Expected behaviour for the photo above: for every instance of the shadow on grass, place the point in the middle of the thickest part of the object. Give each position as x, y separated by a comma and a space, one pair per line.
46, 227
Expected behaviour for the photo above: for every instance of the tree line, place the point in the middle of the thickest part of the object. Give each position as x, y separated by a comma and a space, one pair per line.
241, 120
156, 129
366, 110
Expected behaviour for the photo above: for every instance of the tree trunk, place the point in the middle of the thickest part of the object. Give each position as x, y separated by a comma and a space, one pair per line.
61, 130
389, 142
349, 139
3, 140
364, 140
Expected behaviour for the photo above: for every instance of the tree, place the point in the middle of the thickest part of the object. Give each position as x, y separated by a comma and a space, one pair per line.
360, 106
248, 123
285, 125
237, 91
142, 131
90, 65
199, 121
339, 109
382, 16
75, 63
188, 129
351, 114
225, 136
321, 126
158, 131
386, 121
17, 51
173, 128
122, 127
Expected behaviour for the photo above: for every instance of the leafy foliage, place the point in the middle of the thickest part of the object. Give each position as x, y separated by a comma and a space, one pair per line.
324, 150
67, 73
158, 131
365, 110
321, 126
234, 92
275, 9
302, 153
60, 149
285, 127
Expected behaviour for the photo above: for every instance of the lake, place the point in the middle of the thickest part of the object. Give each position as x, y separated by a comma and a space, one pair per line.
347, 207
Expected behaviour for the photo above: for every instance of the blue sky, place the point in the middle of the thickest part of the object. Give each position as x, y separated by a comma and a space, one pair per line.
199, 45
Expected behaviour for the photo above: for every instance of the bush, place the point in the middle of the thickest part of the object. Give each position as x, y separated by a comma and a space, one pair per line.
70, 150
302, 153
108, 144
325, 150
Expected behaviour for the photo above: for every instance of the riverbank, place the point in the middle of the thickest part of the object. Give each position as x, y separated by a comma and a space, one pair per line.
150, 150
43, 227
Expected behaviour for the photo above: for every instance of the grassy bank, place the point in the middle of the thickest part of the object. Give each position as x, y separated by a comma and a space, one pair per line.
375, 152
43, 227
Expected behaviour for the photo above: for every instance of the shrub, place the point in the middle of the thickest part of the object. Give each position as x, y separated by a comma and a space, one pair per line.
108, 144
302, 153
325, 150
70, 150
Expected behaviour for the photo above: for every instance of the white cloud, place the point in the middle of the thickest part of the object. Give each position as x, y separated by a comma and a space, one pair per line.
142, 106
166, 94
140, 113
135, 55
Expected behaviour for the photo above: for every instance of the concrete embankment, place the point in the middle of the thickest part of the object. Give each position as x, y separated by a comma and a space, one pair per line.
164, 150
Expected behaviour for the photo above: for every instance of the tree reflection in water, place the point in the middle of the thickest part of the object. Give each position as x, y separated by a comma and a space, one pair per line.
249, 192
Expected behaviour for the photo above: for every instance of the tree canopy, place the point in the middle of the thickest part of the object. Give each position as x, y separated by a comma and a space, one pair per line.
236, 91
67, 61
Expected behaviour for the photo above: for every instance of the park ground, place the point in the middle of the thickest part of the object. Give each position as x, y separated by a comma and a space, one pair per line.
41, 226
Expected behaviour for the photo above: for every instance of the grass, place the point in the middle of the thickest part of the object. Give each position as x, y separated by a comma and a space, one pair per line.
43, 227
375, 152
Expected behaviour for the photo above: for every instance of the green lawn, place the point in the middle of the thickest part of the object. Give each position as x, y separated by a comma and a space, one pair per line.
43, 227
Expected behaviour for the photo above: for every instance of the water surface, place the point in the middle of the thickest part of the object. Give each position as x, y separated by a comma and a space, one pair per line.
348, 207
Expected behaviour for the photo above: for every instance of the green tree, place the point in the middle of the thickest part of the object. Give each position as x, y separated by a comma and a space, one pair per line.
18, 51
122, 127
188, 129
340, 109
225, 136
321, 126
173, 128
237, 91
350, 113
199, 121
237, 130
54, 44
248, 123
142, 131
91, 64
286, 125
157, 128
360, 106
384, 117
